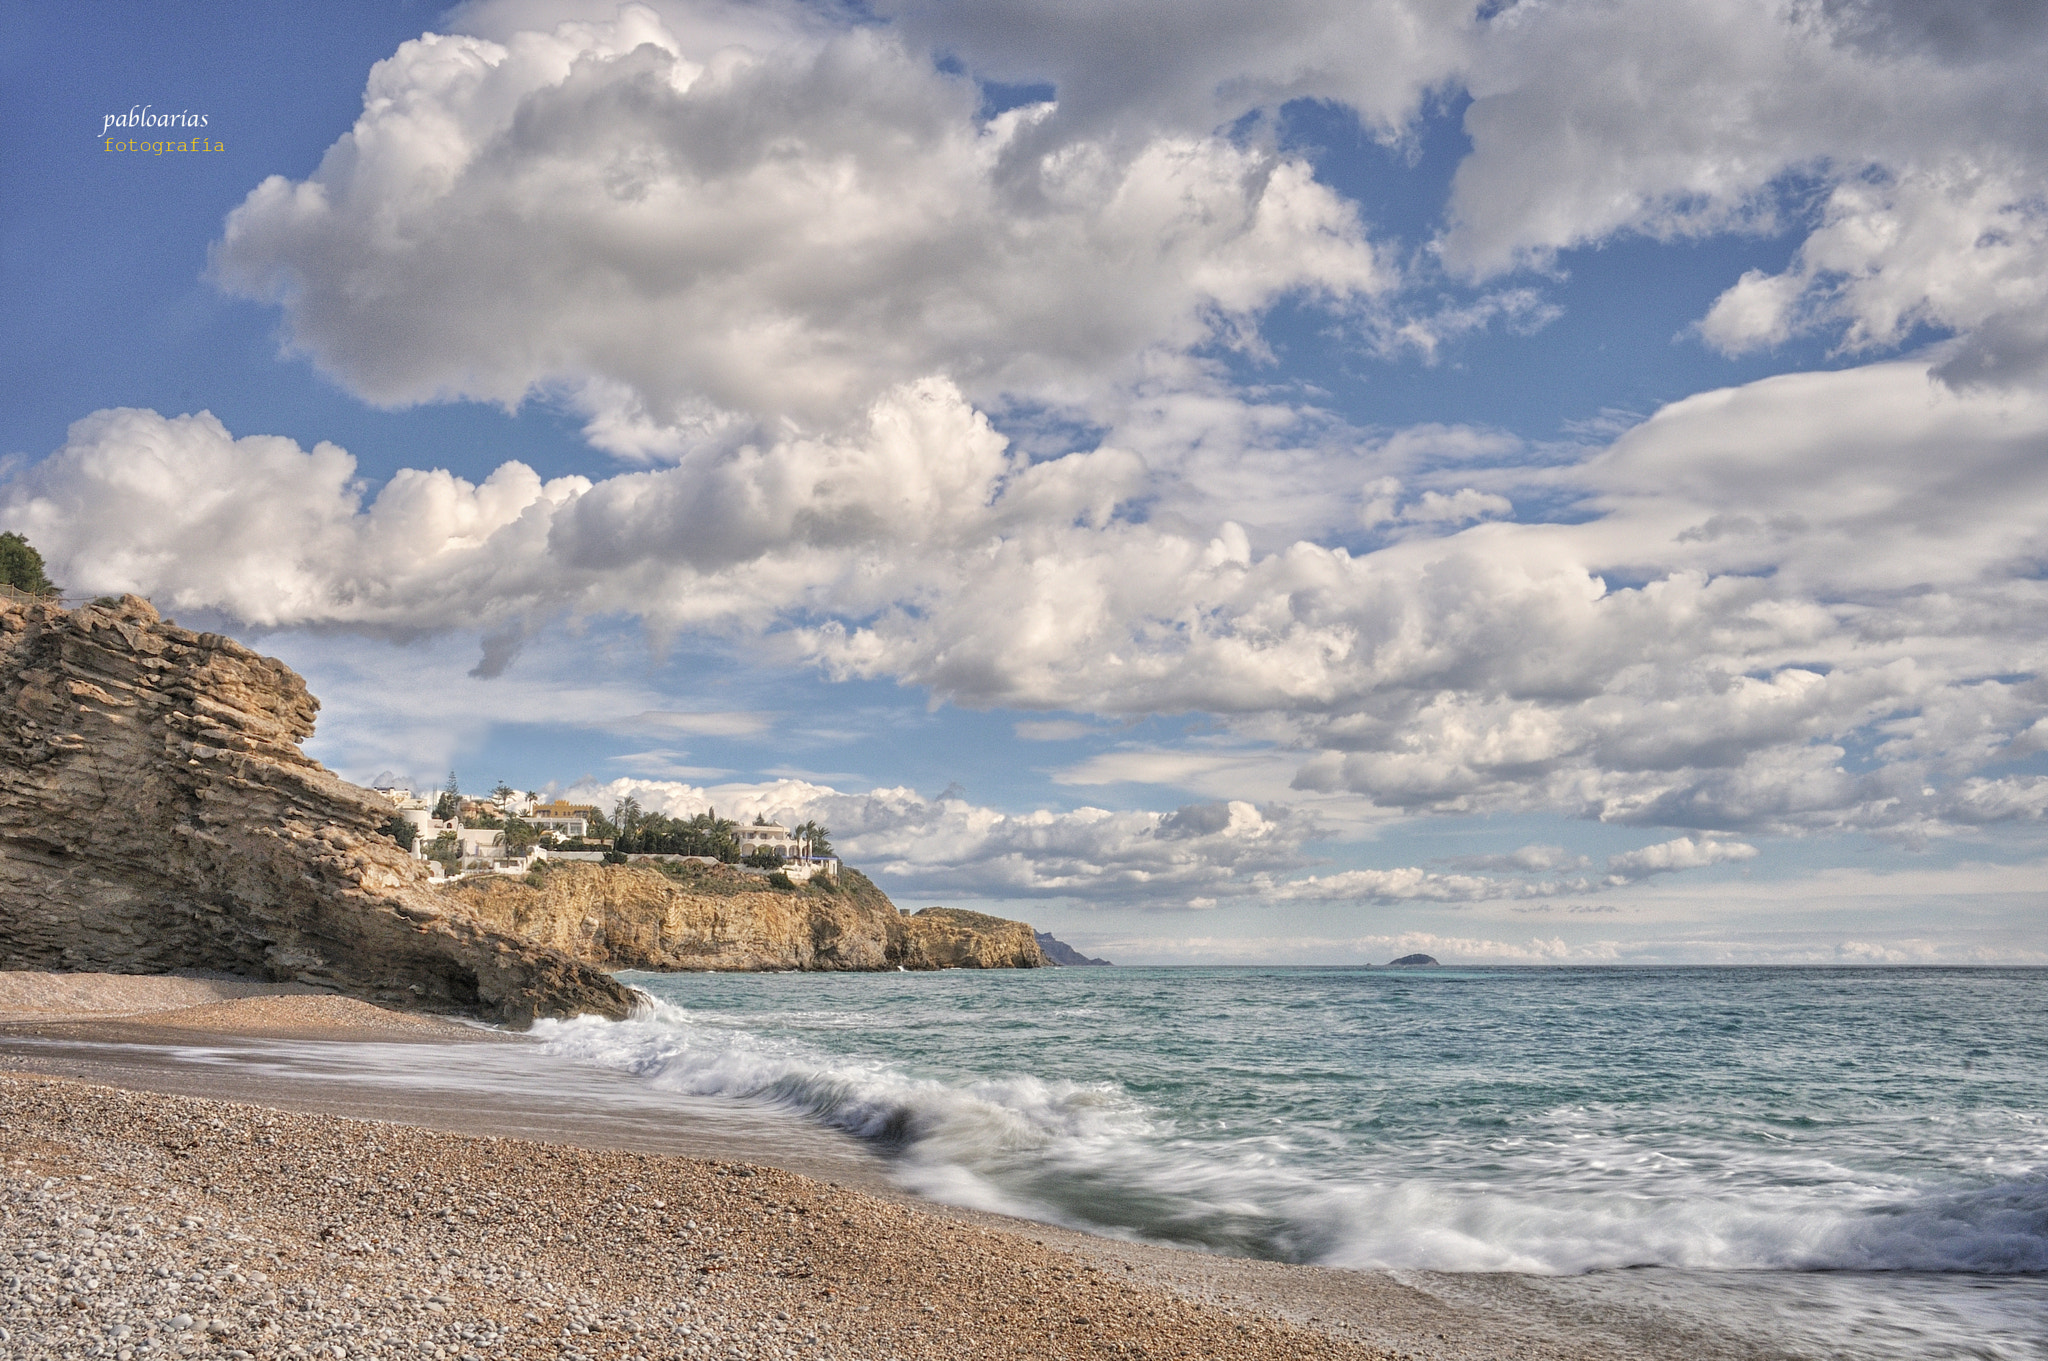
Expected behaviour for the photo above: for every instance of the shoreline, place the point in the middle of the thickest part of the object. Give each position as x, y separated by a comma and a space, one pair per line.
298, 1060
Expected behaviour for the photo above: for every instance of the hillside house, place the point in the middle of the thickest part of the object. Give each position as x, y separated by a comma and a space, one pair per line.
777, 839
773, 838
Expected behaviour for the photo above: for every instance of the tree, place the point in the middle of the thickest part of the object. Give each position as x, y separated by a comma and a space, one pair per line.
658, 834
450, 803
446, 850
22, 567
627, 816
401, 830
819, 837
503, 792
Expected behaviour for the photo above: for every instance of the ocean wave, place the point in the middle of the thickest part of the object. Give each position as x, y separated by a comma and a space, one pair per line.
1090, 1156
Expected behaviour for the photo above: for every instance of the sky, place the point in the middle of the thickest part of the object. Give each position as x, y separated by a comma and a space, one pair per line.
1556, 481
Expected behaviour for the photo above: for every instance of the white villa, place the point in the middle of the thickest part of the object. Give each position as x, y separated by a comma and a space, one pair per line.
777, 839
774, 838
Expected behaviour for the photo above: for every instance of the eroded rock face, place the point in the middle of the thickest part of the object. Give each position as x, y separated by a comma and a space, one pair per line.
953, 938
156, 813
629, 917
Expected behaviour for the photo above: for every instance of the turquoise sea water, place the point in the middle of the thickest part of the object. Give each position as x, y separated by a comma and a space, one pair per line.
1878, 1125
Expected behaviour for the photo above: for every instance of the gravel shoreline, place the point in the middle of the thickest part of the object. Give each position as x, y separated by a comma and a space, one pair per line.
338, 1203
137, 1224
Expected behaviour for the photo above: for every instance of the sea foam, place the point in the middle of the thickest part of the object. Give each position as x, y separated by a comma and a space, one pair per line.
1573, 1187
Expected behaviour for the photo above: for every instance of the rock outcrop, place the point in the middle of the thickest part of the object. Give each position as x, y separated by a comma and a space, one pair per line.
1413, 962
1063, 955
714, 917
950, 938
156, 813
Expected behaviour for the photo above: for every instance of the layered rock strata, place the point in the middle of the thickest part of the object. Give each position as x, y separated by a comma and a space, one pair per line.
156, 813
952, 938
713, 917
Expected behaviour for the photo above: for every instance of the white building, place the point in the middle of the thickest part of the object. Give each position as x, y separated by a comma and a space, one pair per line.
777, 839
772, 837
481, 843
572, 827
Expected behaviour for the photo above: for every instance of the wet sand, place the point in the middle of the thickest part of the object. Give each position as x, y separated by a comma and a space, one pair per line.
481, 1109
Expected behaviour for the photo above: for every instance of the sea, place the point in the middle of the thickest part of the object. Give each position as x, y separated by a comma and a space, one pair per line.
1833, 1162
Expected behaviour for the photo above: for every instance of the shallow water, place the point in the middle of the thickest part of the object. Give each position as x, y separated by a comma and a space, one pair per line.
1751, 1131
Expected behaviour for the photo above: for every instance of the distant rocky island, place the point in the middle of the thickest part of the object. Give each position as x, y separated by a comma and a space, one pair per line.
1413, 962
157, 813
1058, 952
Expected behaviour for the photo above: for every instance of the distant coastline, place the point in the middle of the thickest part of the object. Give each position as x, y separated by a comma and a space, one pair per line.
1060, 953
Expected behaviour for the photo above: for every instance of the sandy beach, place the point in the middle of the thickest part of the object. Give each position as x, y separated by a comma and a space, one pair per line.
203, 1166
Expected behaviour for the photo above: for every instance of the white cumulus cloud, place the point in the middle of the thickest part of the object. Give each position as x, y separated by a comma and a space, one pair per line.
687, 234
949, 845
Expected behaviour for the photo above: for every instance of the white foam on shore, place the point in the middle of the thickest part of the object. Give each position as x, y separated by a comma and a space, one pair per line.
1092, 1157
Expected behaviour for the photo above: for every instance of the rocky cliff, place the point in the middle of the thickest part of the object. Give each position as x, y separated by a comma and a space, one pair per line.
950, 938
1063, 955
713, 917
156, 813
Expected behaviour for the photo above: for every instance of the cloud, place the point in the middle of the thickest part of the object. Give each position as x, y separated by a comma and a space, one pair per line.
1897, 139
1533, 858
1463, 506
950, 847
272, 534
691, 236
1052, 729
1807, 566
792, 262
708, 723
1205, 63
1407, 885
1415, 884
1814, 949
1963, 250
749, 214
1908, 127
1681, 854
666, 764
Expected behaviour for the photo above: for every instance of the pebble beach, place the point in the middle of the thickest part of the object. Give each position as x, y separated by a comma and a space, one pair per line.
157, 1223
137, 1224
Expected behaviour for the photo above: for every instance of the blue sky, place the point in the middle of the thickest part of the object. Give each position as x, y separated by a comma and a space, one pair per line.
1559, 482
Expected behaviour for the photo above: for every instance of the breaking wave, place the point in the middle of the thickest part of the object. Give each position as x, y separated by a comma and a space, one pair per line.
1580, 1198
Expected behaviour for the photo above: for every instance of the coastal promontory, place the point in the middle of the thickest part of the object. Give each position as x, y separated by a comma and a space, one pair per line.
156, 814
716, 917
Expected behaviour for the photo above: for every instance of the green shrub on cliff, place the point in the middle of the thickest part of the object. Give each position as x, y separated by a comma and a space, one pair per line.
22, 567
